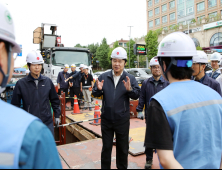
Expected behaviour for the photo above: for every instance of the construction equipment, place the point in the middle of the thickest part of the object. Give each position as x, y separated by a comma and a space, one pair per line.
56, 55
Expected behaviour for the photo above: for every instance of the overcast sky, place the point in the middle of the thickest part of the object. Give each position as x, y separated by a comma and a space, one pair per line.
79, 21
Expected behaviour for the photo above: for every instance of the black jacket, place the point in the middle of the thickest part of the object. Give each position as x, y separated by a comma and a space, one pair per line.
148, 90
36, 98
77, 77
116, 101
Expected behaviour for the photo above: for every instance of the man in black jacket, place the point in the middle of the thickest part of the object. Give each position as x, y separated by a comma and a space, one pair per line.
117, 88
37, 92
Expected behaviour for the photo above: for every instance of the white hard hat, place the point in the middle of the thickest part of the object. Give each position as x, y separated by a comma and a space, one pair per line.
73, 65
81, 65
7, 32
200, 58
66, 66
119, 53
85, 67
154, 61
27, 71
177, 44
34, 58
215, 57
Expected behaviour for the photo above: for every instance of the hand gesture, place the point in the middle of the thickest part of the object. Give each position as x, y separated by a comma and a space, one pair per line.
127, 84
99, 84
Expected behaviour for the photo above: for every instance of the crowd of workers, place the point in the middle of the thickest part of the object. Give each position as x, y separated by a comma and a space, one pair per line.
183, 107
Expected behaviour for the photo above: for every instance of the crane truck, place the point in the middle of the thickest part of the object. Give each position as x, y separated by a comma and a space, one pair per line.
55, 55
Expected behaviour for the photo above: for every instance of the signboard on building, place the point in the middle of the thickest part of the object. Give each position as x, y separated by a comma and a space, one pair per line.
212, 25
139, 49
193, 30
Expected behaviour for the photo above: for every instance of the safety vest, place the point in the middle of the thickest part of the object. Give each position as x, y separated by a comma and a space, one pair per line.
194, 113
13, 125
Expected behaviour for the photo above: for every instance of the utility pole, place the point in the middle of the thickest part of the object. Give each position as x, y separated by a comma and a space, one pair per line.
129, 44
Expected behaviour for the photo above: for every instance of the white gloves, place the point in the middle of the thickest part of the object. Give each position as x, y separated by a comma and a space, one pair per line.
57, 121
140, 115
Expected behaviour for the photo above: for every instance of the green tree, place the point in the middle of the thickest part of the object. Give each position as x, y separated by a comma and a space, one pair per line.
151, 40
102, 54
132, 55
199, 48
78, 45
115, 45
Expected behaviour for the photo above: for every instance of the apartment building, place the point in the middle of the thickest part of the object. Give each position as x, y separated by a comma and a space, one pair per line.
122, 43
168, 13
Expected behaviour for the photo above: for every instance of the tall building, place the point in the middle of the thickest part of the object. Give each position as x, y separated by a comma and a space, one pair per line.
168, 13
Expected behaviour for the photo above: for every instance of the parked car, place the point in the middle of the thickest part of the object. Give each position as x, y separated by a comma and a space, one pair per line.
140, 74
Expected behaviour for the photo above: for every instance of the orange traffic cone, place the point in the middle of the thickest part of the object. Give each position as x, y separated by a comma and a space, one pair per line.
76, 106
97, 114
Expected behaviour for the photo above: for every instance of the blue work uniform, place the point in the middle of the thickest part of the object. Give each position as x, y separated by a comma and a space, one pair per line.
149, 88
61, 80
194, 114
208, 81
36, 98
28, 143
213, 75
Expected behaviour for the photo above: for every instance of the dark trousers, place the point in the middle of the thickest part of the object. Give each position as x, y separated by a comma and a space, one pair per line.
75, 91
51, 128
65, 91
149, 154
121, 130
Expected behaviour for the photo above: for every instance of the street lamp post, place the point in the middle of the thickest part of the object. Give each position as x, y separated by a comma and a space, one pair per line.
129, 44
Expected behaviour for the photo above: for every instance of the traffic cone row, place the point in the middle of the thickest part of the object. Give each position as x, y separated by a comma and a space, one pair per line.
76, 106
97, 115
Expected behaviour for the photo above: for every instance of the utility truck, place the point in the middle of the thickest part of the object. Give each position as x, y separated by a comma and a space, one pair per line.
56, 55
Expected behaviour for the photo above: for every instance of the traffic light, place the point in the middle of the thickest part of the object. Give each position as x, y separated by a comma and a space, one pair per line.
91, 57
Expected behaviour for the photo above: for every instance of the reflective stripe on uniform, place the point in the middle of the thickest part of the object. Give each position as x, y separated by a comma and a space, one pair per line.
7, 159
193, 106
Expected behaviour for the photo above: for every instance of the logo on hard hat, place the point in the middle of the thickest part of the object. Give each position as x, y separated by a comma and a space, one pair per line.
38, 58
8, 17
117, 53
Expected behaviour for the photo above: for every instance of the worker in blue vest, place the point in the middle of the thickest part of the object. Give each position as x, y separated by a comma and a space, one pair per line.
184, 120
215, 59
26, 143
149, 88
199, 65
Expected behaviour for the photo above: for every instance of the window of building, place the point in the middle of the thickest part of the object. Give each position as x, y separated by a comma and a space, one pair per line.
212, 3
182, 23
150, 24
165, 28
180, 1
172, 16
216, 39
172, 4
214, 14
196, 42
164, 19
189, 10
120, 44
157, 11
157, 21
164, 8
125, 45
181, 13
201, 6
200, 18
150, 3
156, 1
151, 13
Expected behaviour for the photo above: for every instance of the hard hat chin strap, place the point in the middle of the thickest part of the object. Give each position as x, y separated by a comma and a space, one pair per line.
168, 68
6, 77
198, 73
